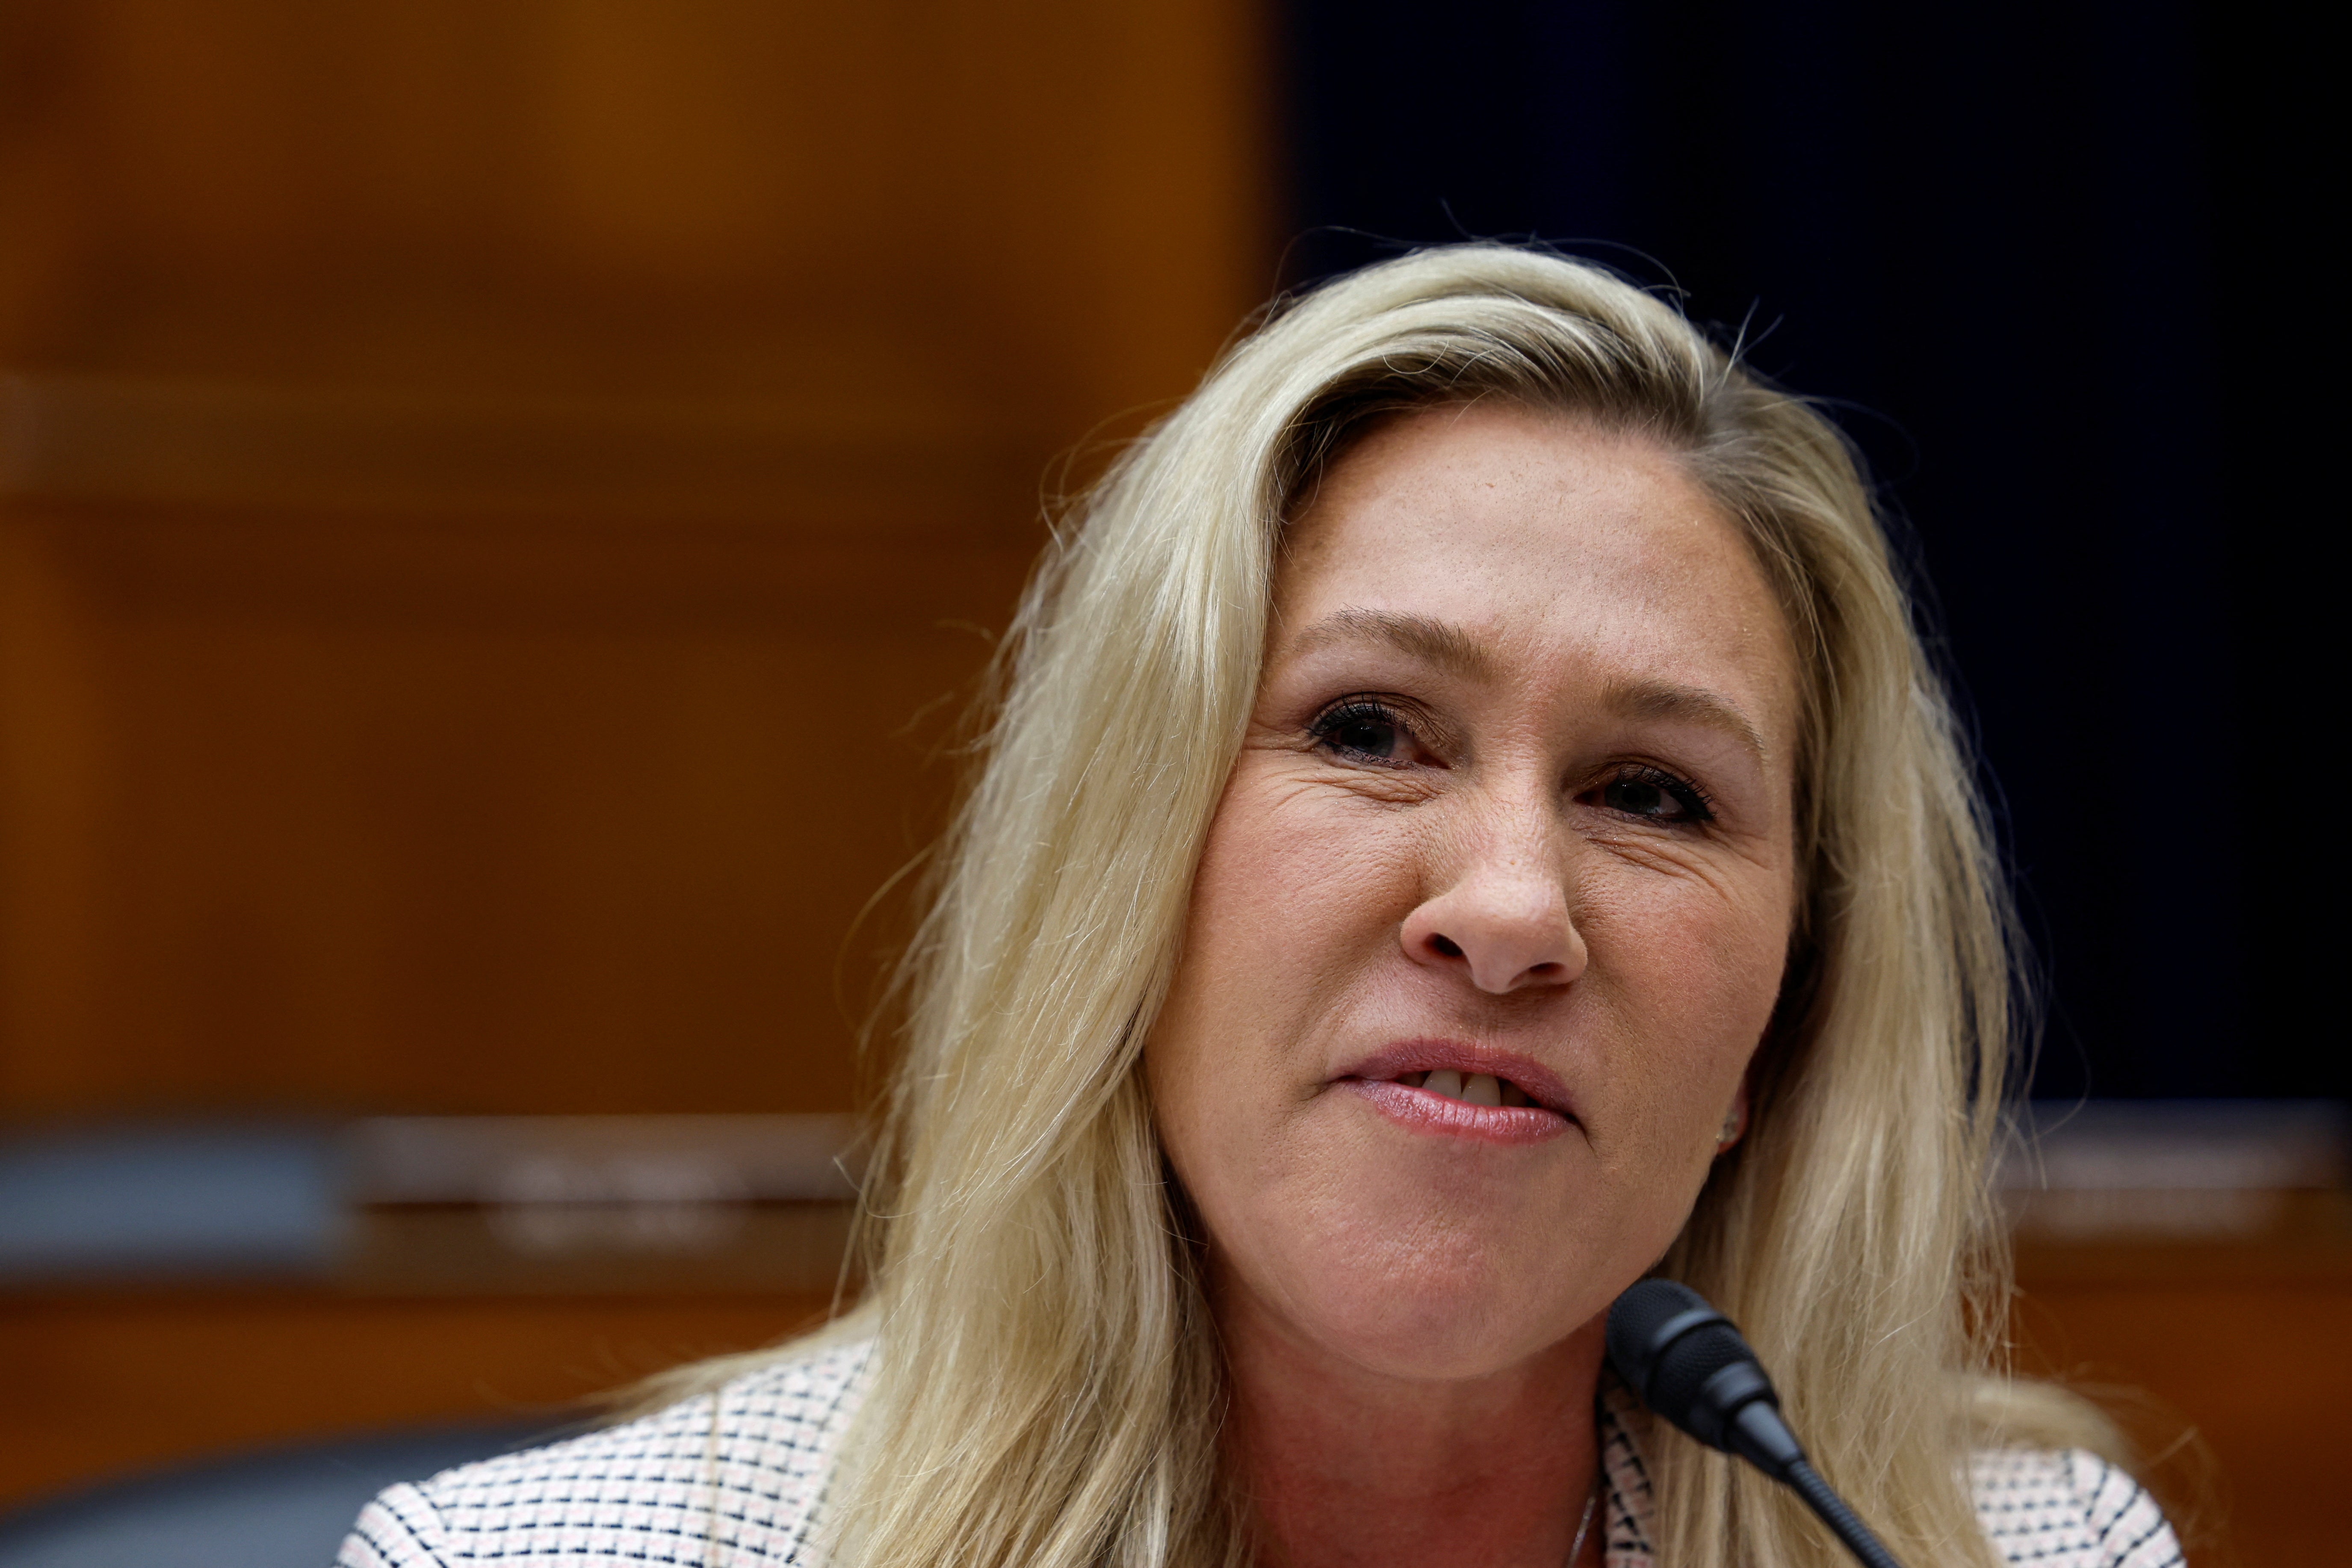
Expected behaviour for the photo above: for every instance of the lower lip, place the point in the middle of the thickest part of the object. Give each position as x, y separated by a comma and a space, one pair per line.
1420, 1111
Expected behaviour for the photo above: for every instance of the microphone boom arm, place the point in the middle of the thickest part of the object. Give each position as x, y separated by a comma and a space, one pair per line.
1689, 1364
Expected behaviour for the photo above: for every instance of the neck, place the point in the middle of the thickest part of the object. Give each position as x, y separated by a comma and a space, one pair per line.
1345, 1465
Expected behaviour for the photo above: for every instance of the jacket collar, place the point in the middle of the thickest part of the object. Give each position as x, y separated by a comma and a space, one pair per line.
1620, 1422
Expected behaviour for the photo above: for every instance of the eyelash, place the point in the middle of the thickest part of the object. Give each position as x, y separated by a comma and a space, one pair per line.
1691, 798
1327, 725
1697, 805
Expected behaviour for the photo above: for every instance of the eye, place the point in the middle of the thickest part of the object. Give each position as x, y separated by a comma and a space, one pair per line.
1655, 796
1364, 731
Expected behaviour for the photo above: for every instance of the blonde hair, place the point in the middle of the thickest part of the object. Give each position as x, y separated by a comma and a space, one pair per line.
1047, 1388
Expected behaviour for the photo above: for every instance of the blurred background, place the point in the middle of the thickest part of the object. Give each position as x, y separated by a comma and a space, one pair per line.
502, 507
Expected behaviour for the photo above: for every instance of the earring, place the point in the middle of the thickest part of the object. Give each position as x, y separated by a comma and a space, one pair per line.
1735, 1122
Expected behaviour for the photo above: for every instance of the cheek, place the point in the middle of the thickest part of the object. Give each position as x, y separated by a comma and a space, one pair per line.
1714, 964
1294, 895
1691, 973
1295, 899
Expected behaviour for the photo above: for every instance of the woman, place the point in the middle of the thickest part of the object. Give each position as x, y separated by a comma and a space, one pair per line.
1469, 825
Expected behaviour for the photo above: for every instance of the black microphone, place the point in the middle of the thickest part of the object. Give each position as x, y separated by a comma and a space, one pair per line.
1689, 1364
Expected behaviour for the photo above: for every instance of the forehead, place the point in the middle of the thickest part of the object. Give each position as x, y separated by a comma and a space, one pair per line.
1565, 549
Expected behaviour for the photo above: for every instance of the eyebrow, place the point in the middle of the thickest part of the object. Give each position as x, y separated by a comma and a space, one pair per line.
1433, 641
1688, 705
1451, 648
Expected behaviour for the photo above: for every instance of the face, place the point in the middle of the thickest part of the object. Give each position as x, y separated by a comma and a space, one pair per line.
1493, 912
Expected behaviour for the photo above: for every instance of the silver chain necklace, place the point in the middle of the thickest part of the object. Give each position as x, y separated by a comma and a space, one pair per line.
1584, 1522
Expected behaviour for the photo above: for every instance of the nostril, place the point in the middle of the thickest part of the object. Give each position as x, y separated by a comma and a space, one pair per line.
1444, 946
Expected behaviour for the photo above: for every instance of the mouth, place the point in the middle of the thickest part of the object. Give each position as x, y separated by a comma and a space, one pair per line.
1471, 1089
1450, 1089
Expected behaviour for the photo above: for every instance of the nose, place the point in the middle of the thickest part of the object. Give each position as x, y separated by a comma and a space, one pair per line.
1502, 918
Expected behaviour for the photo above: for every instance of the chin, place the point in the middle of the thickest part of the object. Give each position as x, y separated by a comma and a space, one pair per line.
1450, 1308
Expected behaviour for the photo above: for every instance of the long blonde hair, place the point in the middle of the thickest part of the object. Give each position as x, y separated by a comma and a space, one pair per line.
1047, 1390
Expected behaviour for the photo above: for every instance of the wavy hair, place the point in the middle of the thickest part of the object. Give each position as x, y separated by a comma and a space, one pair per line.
1048, 1391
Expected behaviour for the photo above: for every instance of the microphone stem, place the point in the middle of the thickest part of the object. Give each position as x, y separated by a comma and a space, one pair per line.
1841, 1519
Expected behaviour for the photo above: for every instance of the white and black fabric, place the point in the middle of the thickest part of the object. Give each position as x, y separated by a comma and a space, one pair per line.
739, 1479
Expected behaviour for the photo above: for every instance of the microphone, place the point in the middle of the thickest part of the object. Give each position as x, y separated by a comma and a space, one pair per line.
1689, 1364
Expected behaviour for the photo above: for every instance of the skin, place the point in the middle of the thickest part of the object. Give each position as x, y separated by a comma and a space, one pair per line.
1517, 791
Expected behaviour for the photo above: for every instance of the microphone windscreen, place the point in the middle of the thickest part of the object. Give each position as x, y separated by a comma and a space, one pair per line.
1665, 1343
1683, 1371
1635, 1321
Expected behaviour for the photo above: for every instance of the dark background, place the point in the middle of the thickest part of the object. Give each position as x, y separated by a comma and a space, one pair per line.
2057, 270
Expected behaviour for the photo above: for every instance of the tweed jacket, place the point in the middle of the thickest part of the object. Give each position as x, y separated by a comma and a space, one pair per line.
738, 1478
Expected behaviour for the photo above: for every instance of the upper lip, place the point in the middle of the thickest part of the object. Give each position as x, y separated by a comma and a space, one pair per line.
1541, 1084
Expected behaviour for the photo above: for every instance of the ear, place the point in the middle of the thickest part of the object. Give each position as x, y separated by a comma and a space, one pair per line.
1735, 1120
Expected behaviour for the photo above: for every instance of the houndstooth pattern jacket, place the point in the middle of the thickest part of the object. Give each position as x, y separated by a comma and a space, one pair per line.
738, 1478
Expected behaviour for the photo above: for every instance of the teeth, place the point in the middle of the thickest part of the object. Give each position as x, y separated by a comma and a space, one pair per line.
1471, 1089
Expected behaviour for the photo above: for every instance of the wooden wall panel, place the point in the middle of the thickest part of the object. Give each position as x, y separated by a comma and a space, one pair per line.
106, 1385
1053, 202
2234, 1386
498, 505
585, 828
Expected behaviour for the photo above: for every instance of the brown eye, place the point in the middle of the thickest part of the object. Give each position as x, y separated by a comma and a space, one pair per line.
1366, 731
1654, 797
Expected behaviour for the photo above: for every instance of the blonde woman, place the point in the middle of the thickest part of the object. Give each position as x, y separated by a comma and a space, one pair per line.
1469, 825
